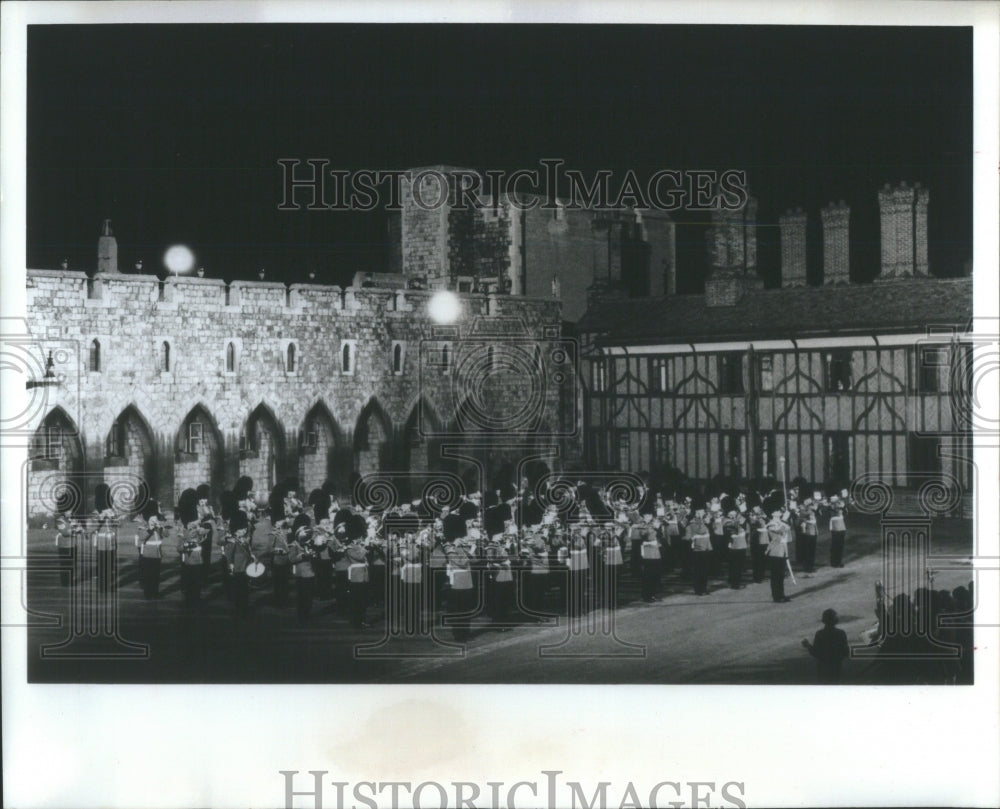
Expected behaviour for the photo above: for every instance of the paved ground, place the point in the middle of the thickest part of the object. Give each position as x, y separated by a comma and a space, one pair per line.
730, 636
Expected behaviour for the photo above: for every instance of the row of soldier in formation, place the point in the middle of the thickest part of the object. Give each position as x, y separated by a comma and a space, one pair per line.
514, 546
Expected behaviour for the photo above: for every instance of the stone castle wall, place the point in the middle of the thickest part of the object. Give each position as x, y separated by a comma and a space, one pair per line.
264, 417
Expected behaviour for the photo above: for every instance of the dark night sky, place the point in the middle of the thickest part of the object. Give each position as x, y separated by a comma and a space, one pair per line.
174, 131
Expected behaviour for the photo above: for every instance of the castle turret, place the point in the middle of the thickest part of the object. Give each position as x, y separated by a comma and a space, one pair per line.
107, 250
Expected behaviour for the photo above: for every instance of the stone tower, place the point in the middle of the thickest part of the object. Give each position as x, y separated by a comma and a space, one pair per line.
107, 250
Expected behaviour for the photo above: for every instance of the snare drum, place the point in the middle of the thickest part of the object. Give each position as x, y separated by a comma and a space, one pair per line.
255, 573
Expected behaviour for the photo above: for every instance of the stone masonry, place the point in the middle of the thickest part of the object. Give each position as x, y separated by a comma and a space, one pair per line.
232, 402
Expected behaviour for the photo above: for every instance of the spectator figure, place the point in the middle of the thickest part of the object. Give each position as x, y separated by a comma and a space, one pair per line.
829, 647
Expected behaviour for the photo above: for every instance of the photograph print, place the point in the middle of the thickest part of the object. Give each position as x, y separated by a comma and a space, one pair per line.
478, 353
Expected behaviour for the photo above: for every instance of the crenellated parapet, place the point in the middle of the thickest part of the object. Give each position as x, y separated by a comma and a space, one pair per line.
69, 289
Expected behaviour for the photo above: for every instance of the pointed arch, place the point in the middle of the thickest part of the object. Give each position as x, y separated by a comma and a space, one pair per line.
373, 438
420, 440
371, 414
321, 414
59, 415
199, 452
199, 412
56, 473
262, 448
263, 416
324, 453
131, 414
57, 438
130, 454
423, 415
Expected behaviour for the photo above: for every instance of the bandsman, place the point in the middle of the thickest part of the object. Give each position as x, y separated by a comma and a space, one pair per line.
301, 556
376, 569
574, 557
68, 535
192, 541
736, 531
230, 508
151, 550
323, 539
779, 535
499, 583
838, 531
537, 579
460, 593
680, 544
206, 519
438, 565
701, 551
717, 523
357, 575
280, 563
651, 568
758, 543
806, 545
612, 561
105, 537
292, 503
240, 555
411, 580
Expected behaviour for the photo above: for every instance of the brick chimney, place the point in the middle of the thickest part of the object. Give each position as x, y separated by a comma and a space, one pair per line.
836, 218
903, 212
107, 250
923, 198
792, 225
732, 250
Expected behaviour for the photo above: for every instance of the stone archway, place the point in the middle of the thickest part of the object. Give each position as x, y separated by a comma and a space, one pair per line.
130, 460
324, 454
199, 452
262, 449
56, 467
373, 440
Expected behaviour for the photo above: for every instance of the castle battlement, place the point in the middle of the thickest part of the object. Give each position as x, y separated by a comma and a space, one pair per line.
69, 288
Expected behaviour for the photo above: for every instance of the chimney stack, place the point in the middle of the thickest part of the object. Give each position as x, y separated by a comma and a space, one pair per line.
107, 250
792, 225
923, 198
732, 249
903, 213
749, 231
732, 240
836, 219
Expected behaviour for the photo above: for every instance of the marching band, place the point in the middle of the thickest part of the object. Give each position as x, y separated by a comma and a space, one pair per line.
513, 547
